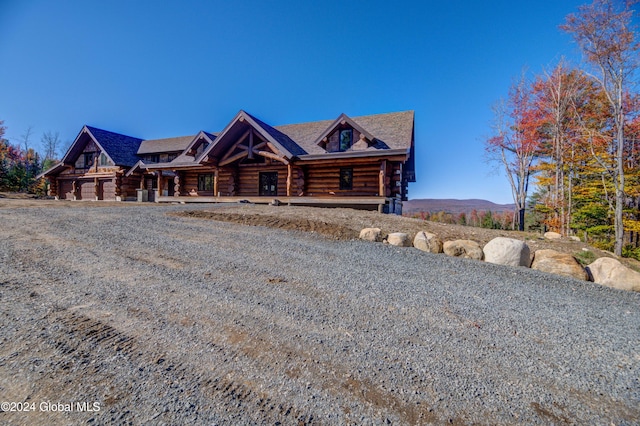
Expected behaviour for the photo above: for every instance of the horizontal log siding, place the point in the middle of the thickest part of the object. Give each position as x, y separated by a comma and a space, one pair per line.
249, 179
189, 183
322, 180
395, 178
129, 187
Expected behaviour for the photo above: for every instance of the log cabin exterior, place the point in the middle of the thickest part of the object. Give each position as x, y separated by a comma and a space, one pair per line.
363, 161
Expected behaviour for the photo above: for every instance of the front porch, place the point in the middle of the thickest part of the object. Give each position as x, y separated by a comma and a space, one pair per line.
382, 204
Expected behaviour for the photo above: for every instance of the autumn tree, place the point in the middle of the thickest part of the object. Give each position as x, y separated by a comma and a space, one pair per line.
515, 142
603, 31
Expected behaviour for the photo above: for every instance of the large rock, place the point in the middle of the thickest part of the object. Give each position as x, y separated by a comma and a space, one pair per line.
463, 248
507, 251
399, 239
558, 263
371, 234
428, 242
552, 235
610, 272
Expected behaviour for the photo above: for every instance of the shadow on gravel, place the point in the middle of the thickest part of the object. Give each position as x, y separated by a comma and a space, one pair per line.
328, 230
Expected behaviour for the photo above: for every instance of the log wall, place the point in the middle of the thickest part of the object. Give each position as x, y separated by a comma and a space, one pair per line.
325, 180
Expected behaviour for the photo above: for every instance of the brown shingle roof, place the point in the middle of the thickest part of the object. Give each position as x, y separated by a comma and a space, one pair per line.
153, 146
393, 129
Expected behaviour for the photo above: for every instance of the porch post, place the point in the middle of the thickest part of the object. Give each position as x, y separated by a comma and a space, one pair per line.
96, 188
176, 181
381, 180
159, 185
289, 179
216, 191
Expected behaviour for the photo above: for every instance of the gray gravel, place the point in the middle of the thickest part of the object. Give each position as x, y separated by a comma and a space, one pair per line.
171, 320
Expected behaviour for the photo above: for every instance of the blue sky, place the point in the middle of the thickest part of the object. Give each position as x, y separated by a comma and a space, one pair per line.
154, 69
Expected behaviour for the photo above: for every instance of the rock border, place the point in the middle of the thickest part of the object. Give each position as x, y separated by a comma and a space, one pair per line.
514, 252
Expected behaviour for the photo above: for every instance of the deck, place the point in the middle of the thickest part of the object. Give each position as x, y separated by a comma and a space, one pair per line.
382, 204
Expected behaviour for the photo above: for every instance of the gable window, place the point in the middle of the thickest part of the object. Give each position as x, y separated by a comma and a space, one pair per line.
103, 160
205, 182
268, 183
346, 178
204, 145
346, 139
88, 159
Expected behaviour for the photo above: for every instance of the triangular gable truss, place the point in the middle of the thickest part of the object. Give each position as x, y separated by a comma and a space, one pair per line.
76, 148
190, 150
343, 119
255, 140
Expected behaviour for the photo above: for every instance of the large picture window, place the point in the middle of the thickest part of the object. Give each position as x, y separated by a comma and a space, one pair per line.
205, 182
346, 178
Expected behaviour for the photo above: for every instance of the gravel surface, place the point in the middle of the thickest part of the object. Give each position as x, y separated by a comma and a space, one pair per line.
164, 319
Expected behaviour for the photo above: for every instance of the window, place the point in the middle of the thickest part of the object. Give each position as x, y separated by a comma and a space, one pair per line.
346, 137
205, 182
202, 147
268, 183
103, 160
88, 159
171, 157
154, 158
346, 178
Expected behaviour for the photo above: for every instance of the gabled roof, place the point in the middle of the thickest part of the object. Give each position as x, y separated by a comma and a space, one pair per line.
392, 131
153, 146
120, 149
343, 118
210, 137
281, 141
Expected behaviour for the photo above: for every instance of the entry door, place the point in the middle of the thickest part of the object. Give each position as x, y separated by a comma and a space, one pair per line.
269, 183
152, 185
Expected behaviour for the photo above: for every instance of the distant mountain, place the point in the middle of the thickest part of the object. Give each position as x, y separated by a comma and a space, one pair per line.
453, 206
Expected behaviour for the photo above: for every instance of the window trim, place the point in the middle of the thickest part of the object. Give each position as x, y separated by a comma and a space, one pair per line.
92, 156
344, 148
346, 185
205, 182
268, 193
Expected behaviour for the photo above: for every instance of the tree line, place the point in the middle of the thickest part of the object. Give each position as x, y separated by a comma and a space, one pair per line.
20, 163
573, 133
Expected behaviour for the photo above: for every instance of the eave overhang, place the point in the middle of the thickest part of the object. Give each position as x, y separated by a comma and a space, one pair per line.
354, 154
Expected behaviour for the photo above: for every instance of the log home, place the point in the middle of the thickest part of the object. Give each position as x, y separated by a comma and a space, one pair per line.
364, 162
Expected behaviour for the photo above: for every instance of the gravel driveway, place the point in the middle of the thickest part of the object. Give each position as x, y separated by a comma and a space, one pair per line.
129, 315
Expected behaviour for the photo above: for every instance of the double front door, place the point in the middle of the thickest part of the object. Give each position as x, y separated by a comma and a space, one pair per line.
268, 183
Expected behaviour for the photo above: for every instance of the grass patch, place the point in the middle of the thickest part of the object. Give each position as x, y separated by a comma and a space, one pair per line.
585, 257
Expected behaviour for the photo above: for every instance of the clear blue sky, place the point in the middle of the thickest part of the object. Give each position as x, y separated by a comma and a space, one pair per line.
154, 69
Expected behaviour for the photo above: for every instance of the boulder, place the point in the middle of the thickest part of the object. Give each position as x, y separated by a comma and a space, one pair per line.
574, 238
554, 262
552, 235
463, 248
399, 239
371, 234
507, 251
610, 272
428, 242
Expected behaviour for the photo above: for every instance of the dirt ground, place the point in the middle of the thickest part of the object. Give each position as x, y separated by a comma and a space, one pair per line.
335, 223
344, 224
193, 322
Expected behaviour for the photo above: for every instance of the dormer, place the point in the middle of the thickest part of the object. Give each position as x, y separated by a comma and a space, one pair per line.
344, 134
199, 144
